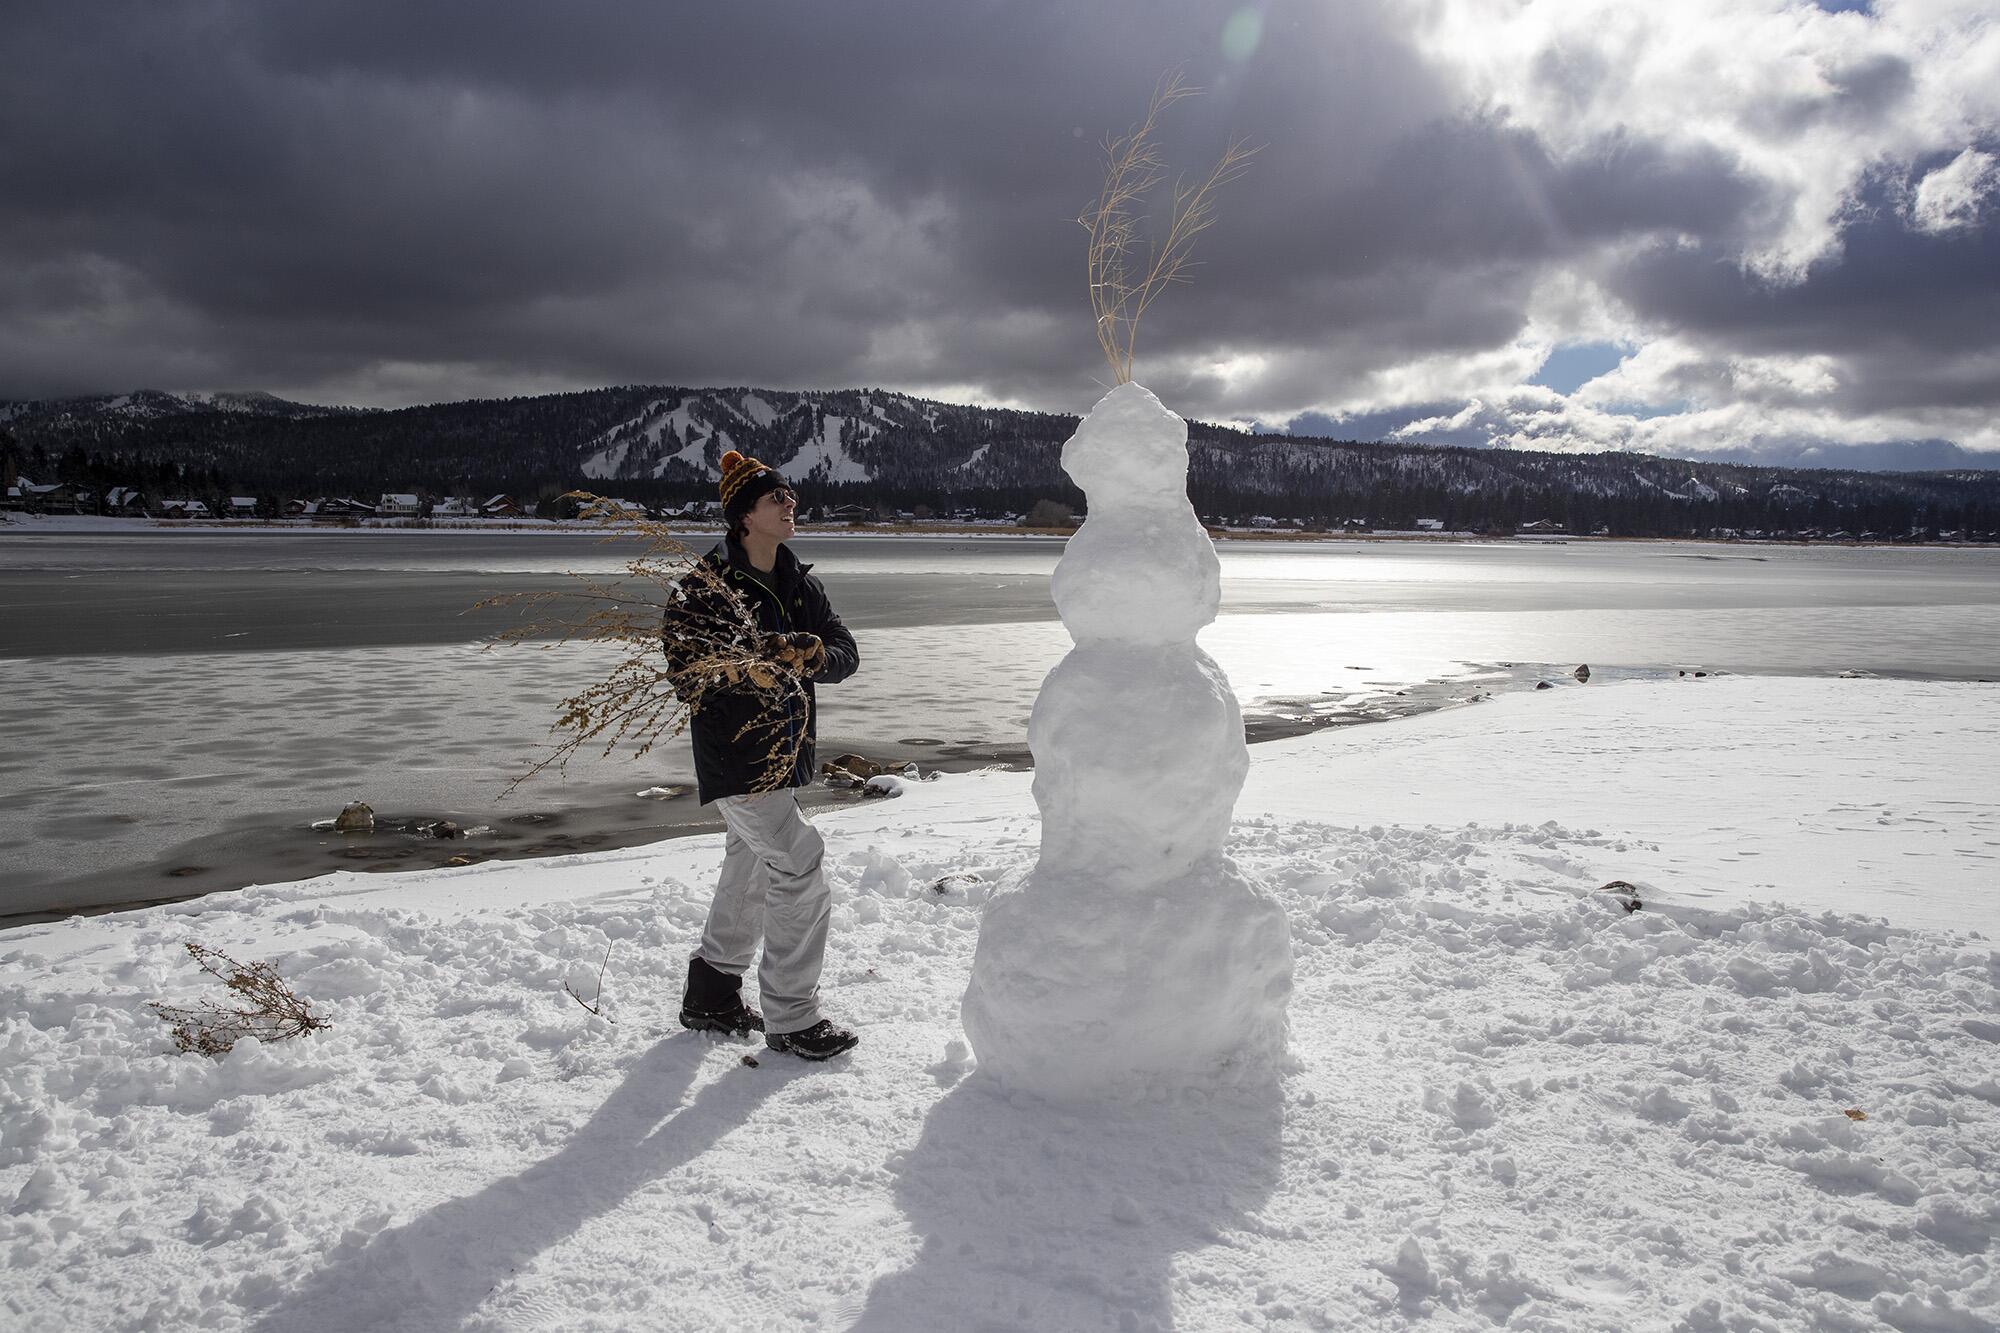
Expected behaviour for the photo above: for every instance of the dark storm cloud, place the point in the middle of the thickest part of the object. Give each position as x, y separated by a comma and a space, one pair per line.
377, 201
1953, 279
1438, 243
1912, 319
592, 192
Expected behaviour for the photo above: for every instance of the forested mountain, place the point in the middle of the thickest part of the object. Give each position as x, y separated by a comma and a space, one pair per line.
661, 446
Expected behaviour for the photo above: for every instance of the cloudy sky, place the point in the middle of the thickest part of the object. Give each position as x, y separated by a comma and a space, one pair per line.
1708, 227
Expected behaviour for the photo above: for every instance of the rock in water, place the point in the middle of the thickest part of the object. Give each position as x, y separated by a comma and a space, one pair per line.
1582, 673
855, 764
355, 817
1136, 953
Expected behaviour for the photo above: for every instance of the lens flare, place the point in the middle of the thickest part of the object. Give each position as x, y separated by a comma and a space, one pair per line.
1242, 34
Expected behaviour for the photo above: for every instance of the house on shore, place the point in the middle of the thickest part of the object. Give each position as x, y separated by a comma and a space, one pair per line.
500, 506
55, 498
398, 506
184, 509
328, 509
242, 506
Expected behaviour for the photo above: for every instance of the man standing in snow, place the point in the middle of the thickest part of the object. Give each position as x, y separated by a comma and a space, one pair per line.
753, 748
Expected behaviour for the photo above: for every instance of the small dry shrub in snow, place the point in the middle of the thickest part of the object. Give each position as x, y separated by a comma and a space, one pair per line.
596, 1003
274, 1010
712, 642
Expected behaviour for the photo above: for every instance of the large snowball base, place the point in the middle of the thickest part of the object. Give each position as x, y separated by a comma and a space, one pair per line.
1078, 992
1136, 957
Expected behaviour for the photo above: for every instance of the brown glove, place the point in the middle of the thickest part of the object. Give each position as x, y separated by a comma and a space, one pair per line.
801, 654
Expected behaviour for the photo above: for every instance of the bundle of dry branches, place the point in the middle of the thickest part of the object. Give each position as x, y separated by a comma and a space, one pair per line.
275, 1010
685, 636
1119, 292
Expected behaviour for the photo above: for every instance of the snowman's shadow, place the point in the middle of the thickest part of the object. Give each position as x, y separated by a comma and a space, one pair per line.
1037, 1217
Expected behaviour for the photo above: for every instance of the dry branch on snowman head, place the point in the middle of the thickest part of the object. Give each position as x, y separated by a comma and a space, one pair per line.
1119, 295
684, 635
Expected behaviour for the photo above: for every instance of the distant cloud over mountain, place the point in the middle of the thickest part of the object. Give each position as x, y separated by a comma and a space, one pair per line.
1744, 229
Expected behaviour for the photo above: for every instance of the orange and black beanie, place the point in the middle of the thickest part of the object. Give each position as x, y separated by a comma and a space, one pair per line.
744, 482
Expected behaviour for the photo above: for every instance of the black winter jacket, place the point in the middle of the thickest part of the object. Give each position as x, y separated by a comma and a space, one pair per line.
787, 600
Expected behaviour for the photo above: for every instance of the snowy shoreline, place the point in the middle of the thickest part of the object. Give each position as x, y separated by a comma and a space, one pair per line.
1507, 1099
278, 846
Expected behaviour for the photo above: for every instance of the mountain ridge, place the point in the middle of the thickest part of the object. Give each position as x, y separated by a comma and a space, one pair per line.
663, 444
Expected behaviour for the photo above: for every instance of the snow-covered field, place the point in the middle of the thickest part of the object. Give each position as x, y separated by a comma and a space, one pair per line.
1508, 1102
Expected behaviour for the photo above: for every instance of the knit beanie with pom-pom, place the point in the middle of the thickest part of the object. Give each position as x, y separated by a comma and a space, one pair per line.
745, 481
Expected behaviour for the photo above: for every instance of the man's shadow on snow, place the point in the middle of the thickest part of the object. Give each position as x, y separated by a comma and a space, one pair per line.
433, 1272
1038, 1217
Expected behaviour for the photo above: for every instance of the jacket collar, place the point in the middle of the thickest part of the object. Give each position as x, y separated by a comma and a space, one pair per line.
729, 552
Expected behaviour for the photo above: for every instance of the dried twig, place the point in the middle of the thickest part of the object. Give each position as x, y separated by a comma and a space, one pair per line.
711, 640
1133, 167
593, 1004
276, 1011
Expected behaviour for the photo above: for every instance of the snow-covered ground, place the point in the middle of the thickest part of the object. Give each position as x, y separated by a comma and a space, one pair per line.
1870, 796
1508, 1102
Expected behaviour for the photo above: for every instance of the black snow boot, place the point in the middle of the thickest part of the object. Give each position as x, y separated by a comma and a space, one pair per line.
821, 1041
714, 1002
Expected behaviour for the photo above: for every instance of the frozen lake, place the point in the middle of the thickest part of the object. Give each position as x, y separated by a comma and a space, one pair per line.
259, 590
169, 686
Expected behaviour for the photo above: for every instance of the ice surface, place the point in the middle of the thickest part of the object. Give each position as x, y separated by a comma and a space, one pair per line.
111, 756
1137, 955
446, 728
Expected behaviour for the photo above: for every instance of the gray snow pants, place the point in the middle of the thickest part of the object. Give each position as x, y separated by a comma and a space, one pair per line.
771, 886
